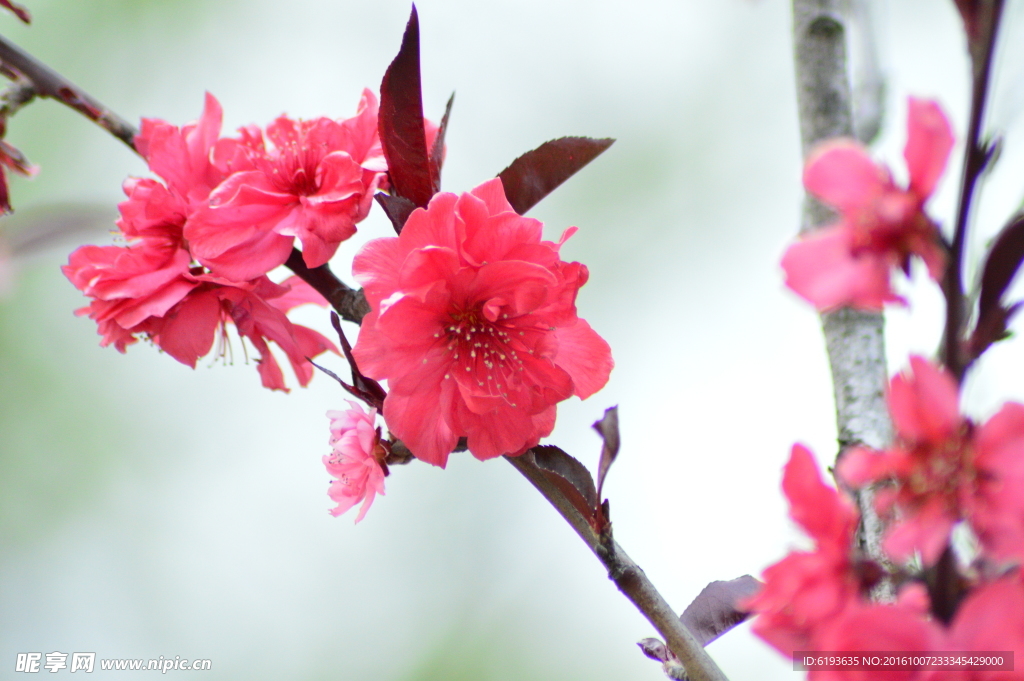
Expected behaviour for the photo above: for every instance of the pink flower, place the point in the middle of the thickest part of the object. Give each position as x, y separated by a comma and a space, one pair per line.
152, 287
881, 225
131, 284
816, 600
314, 181
474, 326
996, 509
184, 157
807, 589
257, 309
356, 460
946, 469
931, 462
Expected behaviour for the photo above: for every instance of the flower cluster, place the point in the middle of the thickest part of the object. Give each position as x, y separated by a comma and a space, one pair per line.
473, 320
474, 326
942, 471
881, 225
228, 211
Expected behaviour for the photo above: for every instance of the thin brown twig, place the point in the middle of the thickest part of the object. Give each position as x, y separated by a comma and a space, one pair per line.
628, 577
49, 83
977, 155
349, 303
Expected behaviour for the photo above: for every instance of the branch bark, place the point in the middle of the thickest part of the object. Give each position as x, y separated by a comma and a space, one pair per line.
349, 303
855, 340
49, 83
628, 577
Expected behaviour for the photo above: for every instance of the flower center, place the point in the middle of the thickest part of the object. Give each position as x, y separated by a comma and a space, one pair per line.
485, 354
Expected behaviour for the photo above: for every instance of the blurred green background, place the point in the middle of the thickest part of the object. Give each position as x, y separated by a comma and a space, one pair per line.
147, 509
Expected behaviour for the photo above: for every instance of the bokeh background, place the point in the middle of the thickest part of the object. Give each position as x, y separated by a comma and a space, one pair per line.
150, 510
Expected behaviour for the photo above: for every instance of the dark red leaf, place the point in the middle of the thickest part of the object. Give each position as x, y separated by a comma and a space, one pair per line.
1003, 261
537, 173
400, 121
437, 151
1004, 258
397, 208
18, 10
365, 388
570, 476
608, 428
716, 609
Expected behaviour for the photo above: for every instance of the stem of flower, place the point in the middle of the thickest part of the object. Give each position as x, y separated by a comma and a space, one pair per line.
977, 154
855, 340
48, 83
628, 576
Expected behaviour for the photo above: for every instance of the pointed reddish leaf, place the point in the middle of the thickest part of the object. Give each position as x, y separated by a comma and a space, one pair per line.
400, 121
437, 151
537, 173
608, 428
372, 393
397, 208
1003, 261
20, 11
1004, 258
570, 476
715, 610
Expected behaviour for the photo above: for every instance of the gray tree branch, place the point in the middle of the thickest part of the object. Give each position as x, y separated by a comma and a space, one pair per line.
628, 576
855, 340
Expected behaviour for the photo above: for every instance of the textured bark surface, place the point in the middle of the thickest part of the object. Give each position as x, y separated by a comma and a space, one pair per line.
855, 340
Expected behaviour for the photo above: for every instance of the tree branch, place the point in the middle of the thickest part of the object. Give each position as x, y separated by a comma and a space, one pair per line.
855, 340
628, 576
349, 303
48, 83
981, 36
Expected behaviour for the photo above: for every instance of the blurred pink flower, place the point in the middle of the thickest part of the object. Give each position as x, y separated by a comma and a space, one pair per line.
355, 460
474, 325
881, 225
315, 180
806, 589
945, 469
817, 600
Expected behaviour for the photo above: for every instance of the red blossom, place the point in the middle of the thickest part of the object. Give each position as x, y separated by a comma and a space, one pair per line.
314, 180
152, 288
881, 225
946, 470
184, 157
816, 600
474, 325
807, 589
356, 460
